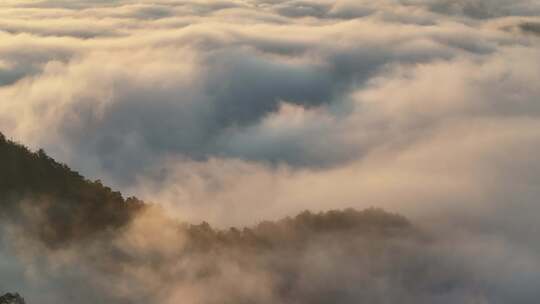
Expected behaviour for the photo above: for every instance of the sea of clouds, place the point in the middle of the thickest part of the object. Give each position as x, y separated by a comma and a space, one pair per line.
238, 111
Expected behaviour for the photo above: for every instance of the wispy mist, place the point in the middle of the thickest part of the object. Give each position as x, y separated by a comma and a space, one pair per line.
238, 112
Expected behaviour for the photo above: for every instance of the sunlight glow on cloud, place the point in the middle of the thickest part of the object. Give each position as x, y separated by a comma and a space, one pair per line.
239, 111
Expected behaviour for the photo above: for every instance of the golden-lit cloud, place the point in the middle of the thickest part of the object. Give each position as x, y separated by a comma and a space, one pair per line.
234, 112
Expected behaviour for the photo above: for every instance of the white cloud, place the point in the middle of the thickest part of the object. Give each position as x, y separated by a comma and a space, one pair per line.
238, 111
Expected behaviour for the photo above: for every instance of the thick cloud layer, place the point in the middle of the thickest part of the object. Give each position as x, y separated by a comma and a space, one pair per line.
201, 80
344, 256
239, 111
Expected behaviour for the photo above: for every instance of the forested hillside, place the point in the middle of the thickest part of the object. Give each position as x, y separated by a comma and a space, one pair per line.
33, 186
91, 234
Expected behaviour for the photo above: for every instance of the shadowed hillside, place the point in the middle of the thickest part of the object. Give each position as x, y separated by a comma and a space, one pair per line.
33, 187
300, 230
345, 256
326, 257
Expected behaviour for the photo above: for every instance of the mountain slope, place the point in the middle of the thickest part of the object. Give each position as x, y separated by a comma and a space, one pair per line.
55, 200
102, 248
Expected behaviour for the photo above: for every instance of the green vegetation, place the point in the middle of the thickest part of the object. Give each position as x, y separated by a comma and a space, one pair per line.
60, 203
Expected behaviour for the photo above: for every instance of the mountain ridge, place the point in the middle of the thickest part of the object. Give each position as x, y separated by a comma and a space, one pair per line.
71, 206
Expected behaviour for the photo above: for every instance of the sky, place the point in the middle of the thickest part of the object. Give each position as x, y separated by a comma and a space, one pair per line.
234, 112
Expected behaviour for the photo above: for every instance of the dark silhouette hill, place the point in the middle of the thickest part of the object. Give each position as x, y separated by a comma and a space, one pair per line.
57, 205
56, 202
298, 231
326, 257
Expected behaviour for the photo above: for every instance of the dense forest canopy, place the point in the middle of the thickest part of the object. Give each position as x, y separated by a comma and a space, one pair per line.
71, 207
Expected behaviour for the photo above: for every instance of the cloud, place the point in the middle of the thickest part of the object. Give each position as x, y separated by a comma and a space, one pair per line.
344, 255
289, 260
235, 112
219, 81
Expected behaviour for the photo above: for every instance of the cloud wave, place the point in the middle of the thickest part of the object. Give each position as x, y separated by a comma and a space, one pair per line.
238, 111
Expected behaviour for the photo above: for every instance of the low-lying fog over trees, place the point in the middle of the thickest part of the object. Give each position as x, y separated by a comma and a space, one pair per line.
409, 130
